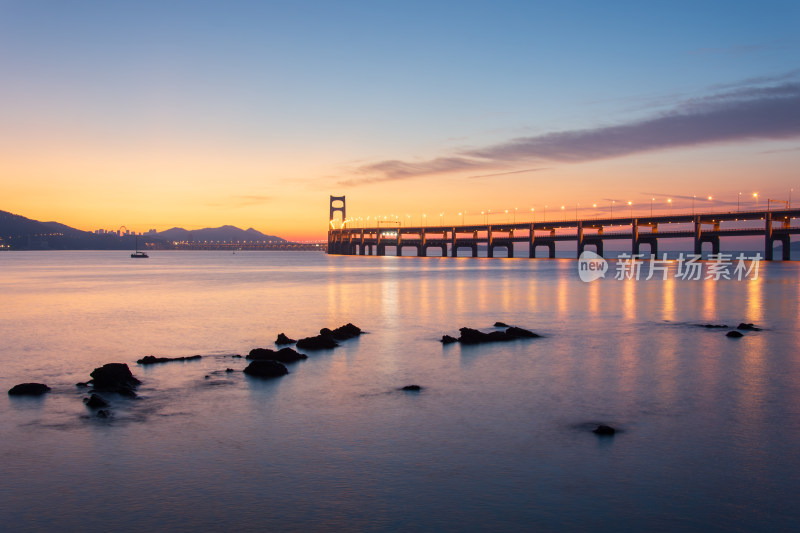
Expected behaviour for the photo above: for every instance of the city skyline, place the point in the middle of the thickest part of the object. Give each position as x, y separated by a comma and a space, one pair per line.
201, 114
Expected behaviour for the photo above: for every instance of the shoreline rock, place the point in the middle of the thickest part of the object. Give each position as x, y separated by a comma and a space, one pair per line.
95, 402
734, 334
604, 430
473, 336
319, 342
115, 377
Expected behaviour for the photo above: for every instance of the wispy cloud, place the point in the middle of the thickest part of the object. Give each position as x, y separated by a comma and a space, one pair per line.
524, 171
744, 112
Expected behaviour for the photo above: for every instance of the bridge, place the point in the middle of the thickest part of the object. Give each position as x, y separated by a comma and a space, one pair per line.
706, 228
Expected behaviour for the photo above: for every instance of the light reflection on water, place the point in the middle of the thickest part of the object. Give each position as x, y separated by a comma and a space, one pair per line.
498, 439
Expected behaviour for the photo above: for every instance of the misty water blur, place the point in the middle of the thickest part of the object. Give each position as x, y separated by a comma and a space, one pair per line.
498, 439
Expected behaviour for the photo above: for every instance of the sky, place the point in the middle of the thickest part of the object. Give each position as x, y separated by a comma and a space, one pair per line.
157, 114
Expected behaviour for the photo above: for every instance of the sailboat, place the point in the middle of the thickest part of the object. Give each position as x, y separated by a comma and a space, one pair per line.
137, 254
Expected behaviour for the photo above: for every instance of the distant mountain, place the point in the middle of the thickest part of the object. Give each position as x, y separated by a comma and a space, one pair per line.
20, 233
223, 233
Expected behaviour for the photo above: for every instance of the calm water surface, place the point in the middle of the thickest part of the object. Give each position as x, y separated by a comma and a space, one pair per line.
498, 440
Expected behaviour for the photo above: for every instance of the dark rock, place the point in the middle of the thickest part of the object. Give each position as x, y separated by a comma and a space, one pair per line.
206, 377
82, 384
113, 375
604, 430
103, 413
283, 339
260, 354
520, 333
447, 339
95, 402
473, 336
412, 388
284, 355
501, 325
152, 359
734, 334
747, 327
320, 342
28, 389
287, 355
237, 356
266, 369
348, 331
713, 326
229, 370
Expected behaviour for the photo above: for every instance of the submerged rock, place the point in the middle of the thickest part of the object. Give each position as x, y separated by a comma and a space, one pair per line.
152, 359
604, 430
710, 326
266, 369
412, 388
284, 355
28, 389
95, 402
283, 339
747, 327
501, 325
103, 413
447, 339
734, 334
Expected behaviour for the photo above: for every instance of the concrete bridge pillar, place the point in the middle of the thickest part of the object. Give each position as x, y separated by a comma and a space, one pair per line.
634, 236
531, 248
698, 235
768, 241
490, 249
580, 238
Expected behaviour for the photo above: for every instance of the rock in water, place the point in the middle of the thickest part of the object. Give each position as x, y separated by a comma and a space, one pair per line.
348, 331
604, 430
447, 339
95, 402
501, 325
103, 413
284, 355
320, 342
412, 388
115, 377
266, 369
520, 333
152, 359
28, 389
747, 326
734, 334
283, 339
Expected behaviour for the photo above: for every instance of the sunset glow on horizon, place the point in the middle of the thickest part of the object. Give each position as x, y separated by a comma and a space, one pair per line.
202, 114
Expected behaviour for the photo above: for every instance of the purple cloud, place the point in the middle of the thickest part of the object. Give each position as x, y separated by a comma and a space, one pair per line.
741, 114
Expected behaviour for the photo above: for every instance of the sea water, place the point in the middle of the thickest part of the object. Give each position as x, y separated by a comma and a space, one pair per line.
498, 439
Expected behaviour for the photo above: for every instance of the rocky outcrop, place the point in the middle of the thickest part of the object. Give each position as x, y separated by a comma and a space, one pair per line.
320, 342
604, 430
284, 355
734, 334
115, 377
473, 336
283, 339
152, 359
28, 389
342, 333
712, 326
266, 369
447, 339
501, 325
412, 388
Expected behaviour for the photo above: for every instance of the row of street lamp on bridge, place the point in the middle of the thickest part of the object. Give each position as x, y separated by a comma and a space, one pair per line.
511, 215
